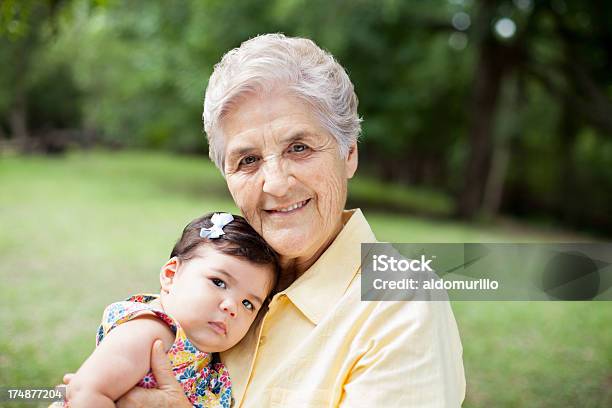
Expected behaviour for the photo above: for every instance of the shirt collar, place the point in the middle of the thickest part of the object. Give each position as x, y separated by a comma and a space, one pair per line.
322, 285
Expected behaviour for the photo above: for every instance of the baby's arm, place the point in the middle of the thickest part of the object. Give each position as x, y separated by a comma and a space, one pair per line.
120, 361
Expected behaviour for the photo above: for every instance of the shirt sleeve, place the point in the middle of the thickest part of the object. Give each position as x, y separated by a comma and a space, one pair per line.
411, 357
121, 312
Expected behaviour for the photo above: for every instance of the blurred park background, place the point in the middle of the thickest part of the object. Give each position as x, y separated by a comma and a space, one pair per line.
484, 121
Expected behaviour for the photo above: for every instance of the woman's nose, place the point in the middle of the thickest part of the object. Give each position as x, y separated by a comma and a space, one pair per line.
229, 307
276, 179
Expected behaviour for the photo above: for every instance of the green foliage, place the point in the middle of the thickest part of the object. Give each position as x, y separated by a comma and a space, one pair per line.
145, 72
15, 17
395, 197
43, 94
136, 71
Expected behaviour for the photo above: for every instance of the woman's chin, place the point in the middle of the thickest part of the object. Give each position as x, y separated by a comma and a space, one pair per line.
290, 246
300, 243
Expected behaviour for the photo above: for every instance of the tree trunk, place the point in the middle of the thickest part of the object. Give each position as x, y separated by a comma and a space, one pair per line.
18, 120
568, 130
494, 188
511, 109
488, 77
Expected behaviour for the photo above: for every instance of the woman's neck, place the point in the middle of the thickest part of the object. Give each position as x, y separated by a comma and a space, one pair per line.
293, 268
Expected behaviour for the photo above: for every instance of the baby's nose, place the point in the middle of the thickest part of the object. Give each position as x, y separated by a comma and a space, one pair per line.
229, 307
231, 313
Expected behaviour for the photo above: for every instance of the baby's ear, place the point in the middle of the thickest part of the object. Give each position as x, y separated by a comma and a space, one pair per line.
167, 274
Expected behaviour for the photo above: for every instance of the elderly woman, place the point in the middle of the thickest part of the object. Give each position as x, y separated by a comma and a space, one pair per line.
282, 123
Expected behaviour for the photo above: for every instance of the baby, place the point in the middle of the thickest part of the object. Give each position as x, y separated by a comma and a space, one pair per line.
219, 275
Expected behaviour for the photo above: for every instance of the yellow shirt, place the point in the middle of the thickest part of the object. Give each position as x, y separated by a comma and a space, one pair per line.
319, 345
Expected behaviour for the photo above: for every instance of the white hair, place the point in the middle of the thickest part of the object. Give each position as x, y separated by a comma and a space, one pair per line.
272, 61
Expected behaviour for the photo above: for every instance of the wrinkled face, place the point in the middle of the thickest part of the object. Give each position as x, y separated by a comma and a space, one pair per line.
215, 297
286, 174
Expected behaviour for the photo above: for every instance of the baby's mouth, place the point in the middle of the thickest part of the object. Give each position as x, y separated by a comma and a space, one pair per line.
219, 327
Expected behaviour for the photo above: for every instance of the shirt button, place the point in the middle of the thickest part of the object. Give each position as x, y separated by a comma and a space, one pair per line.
262, 340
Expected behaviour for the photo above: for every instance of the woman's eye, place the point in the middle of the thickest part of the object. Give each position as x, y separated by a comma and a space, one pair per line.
219, 283
298, 148
248, 304
248, 160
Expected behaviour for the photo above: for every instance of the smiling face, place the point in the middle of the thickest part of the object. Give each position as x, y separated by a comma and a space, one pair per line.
215, 297
286, 174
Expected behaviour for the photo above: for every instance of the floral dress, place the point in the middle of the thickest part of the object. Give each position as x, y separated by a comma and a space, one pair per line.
206, 383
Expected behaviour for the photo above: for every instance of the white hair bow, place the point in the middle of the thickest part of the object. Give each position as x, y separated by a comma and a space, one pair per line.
219, 221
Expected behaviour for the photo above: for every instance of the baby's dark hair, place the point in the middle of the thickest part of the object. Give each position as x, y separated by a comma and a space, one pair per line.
239, 240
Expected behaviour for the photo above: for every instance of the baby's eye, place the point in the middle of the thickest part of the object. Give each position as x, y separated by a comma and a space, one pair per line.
298, 148
248, 305
219, 283
248, 160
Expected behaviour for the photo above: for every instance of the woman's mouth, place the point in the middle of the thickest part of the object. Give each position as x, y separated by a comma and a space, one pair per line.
290, 208
218, 327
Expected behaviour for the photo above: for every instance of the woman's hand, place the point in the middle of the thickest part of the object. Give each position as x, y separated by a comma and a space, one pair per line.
168, 394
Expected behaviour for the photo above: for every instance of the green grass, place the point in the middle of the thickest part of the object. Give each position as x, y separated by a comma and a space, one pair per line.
80, 232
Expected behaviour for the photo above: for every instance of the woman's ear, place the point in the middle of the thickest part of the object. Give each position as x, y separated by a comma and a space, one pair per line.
167, 274
351, 161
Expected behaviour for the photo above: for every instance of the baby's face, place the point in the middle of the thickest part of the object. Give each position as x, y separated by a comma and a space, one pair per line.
215, 297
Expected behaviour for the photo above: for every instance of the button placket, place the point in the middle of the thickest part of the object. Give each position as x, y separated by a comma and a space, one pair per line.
271, 308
